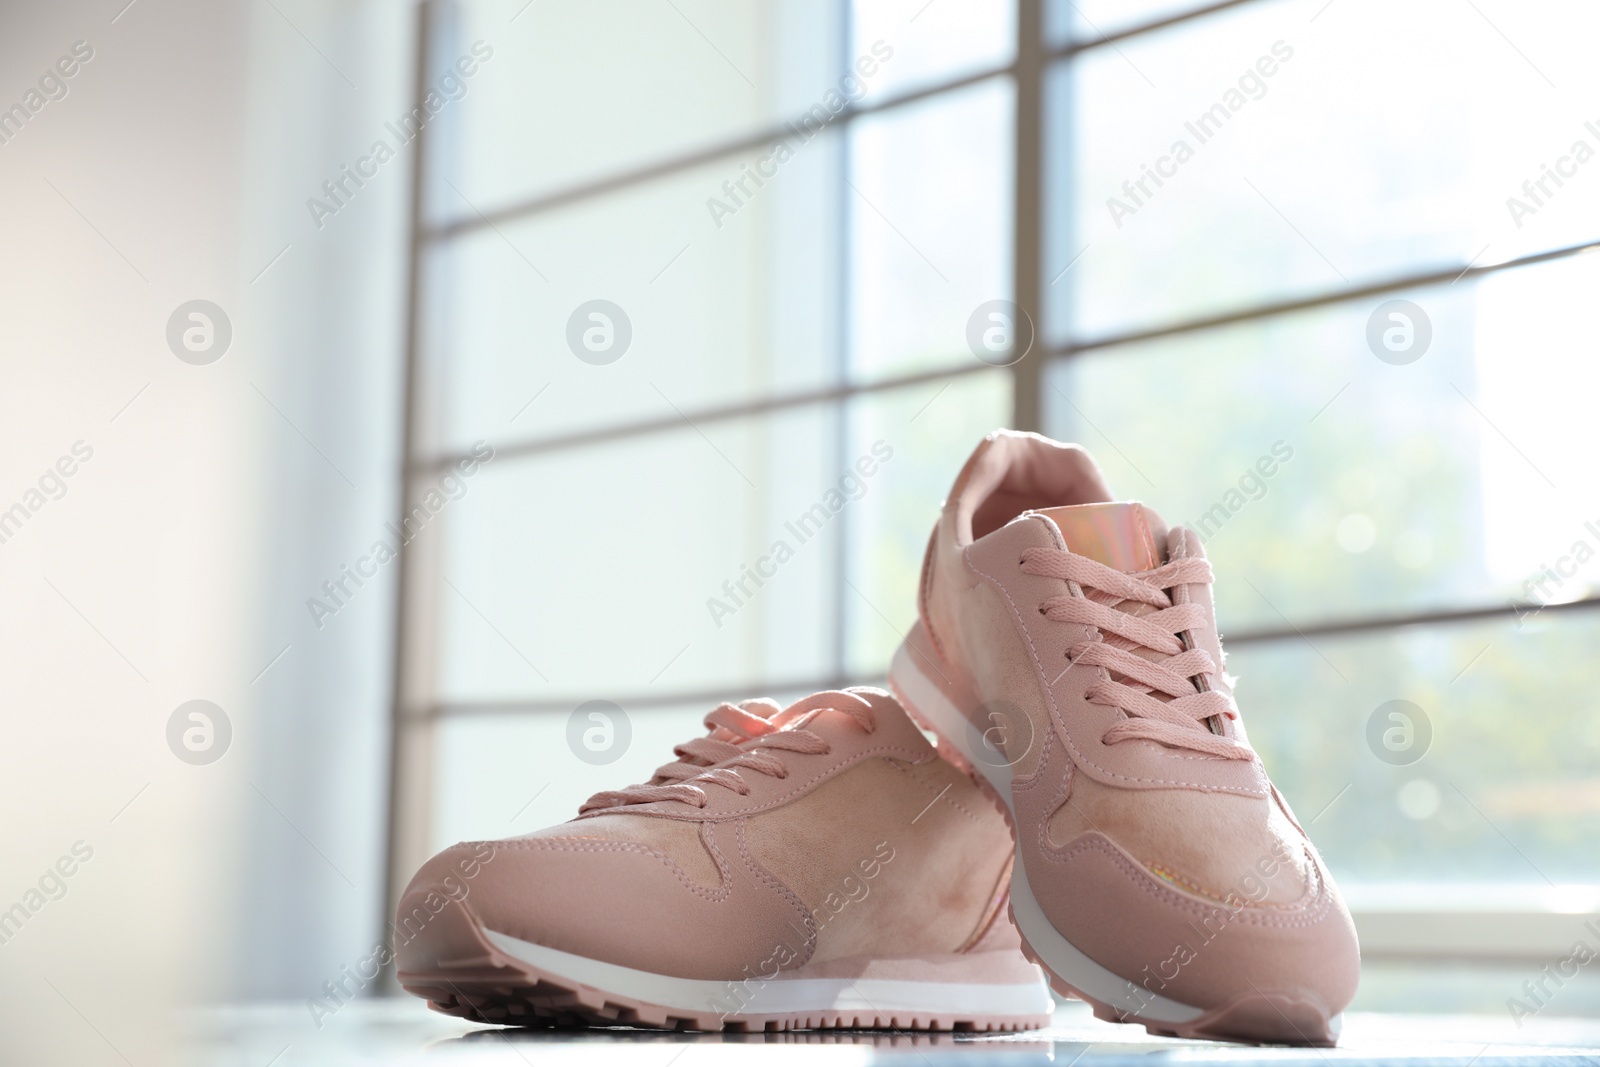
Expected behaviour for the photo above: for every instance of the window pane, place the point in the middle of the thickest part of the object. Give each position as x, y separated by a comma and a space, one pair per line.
575, 92
929, 430
646, 565
930, 41
1311, 177
708, 310
930, 218
1329, 484
1089, 20
1493, 781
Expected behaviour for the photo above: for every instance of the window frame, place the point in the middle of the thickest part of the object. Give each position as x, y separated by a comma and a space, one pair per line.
1387, 934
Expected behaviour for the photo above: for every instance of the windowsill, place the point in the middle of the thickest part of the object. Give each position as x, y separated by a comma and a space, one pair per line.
1482, 922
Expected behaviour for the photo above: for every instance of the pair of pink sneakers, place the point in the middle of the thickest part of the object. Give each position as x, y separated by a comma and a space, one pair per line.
824, 865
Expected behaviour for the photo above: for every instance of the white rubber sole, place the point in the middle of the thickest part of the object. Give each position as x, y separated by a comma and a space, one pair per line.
927, 702
463, 969
780, 995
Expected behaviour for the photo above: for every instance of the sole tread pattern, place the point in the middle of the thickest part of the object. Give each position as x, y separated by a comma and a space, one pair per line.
551, 1004
470, 978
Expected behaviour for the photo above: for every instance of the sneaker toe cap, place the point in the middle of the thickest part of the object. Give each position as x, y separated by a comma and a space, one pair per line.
1220, 955
620, 902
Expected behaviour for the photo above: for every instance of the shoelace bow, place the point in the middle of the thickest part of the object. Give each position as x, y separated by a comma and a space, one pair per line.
710, 760
1178, 722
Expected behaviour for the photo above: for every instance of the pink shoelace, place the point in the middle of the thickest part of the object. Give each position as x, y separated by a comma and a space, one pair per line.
1178, 722
748, 742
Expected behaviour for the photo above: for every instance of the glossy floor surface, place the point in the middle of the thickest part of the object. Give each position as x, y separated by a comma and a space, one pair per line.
403, 1031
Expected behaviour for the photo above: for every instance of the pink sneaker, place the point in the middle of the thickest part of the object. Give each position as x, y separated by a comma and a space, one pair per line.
812, 866
1067, 649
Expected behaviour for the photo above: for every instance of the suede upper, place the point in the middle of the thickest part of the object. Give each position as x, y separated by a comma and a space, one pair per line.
871, 846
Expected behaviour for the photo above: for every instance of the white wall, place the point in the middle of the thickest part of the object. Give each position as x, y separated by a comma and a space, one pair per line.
177, 563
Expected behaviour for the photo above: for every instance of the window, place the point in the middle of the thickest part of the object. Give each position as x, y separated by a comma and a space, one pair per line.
701, 275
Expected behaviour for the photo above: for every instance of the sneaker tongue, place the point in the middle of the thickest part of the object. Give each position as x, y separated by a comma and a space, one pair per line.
1123, 534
